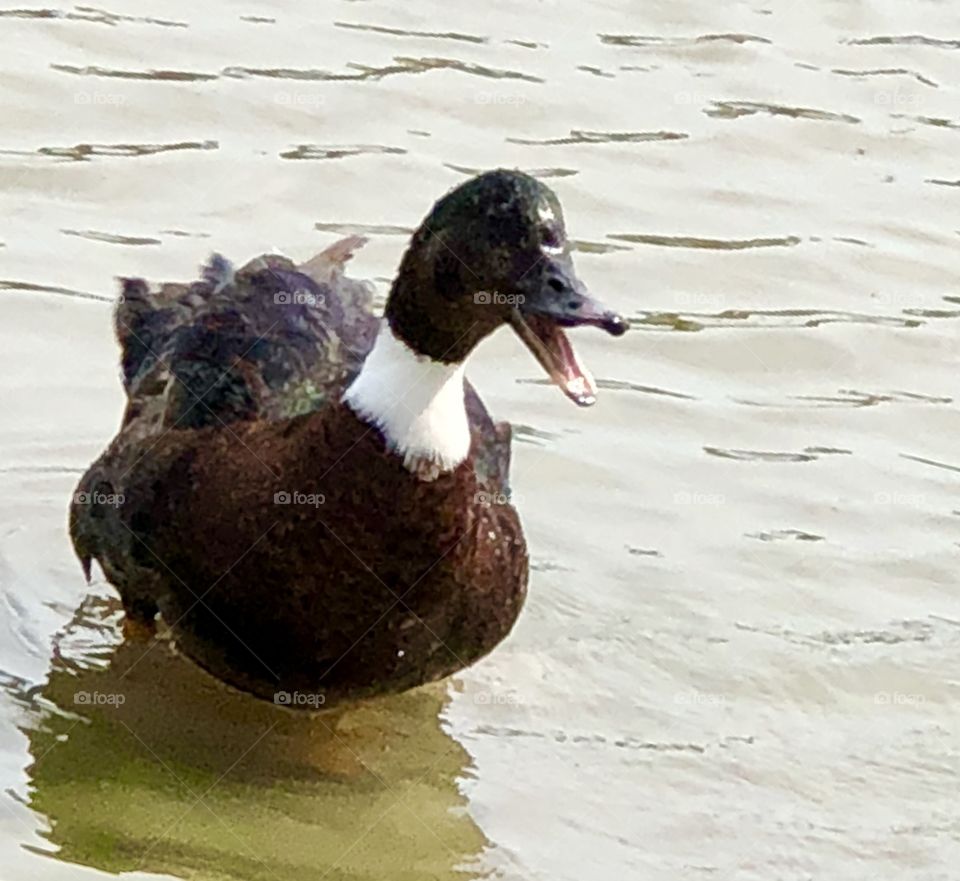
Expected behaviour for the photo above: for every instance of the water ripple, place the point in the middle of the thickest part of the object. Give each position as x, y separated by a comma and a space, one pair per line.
641, 41
735, 109
759, 455
83, 152
316, 151
171, 75
763, 318
907, 40
33, 287
180, 233
935, 121
627, 742
527, 434
887, 71
359, 229
537, 565
402, 66
40, 469
618, 385
596, 71
642, 552
400, 32
932, 462
110, 238
784, 535
533, 172
622, 385
847, 398
899, 632
708, 244
91, 14
527, 44
577, 136
586, 247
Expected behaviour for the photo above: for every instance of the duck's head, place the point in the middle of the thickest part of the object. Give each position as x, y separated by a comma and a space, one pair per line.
494, 251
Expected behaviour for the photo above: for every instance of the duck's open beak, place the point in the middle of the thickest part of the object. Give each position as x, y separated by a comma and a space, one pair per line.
558, 300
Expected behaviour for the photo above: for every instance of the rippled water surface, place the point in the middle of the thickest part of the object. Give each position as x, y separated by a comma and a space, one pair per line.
740, 654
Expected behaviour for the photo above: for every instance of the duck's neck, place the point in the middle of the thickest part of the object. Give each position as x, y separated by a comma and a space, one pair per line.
416, 403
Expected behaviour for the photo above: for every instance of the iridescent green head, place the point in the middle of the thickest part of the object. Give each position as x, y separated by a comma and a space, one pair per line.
494, 251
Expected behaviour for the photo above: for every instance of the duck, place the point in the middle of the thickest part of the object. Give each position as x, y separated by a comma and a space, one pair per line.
313, 499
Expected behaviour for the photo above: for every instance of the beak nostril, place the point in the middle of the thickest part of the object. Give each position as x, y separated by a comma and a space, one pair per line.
574, 304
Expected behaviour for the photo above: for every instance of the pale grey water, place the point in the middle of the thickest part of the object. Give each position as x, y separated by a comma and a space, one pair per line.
739, 657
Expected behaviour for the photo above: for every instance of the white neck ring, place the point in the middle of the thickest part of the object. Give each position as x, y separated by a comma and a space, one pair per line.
416, 403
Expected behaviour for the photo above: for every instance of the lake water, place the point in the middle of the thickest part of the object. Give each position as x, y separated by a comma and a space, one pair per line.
739, 658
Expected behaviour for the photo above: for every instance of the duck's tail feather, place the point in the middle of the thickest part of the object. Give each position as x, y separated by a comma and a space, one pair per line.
98, 532
268, 340
331, 260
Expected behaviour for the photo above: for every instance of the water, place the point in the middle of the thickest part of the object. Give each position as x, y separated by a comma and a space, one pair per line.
739, 655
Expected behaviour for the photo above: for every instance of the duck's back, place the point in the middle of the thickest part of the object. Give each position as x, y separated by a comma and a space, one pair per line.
268, 341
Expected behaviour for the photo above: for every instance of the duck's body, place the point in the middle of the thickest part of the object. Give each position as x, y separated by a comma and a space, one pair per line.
339, 576
302, 490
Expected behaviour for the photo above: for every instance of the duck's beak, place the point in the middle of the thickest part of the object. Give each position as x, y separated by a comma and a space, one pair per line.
557, 300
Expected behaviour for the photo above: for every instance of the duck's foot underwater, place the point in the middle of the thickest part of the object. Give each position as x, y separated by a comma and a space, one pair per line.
334, 751
136, 629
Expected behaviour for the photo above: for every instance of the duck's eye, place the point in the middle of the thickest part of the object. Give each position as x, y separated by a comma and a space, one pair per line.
549, 237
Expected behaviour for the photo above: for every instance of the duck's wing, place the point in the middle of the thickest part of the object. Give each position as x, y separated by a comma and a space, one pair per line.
268, 341
491, 446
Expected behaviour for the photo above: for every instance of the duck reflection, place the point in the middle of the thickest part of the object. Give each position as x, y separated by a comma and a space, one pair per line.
143, 762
